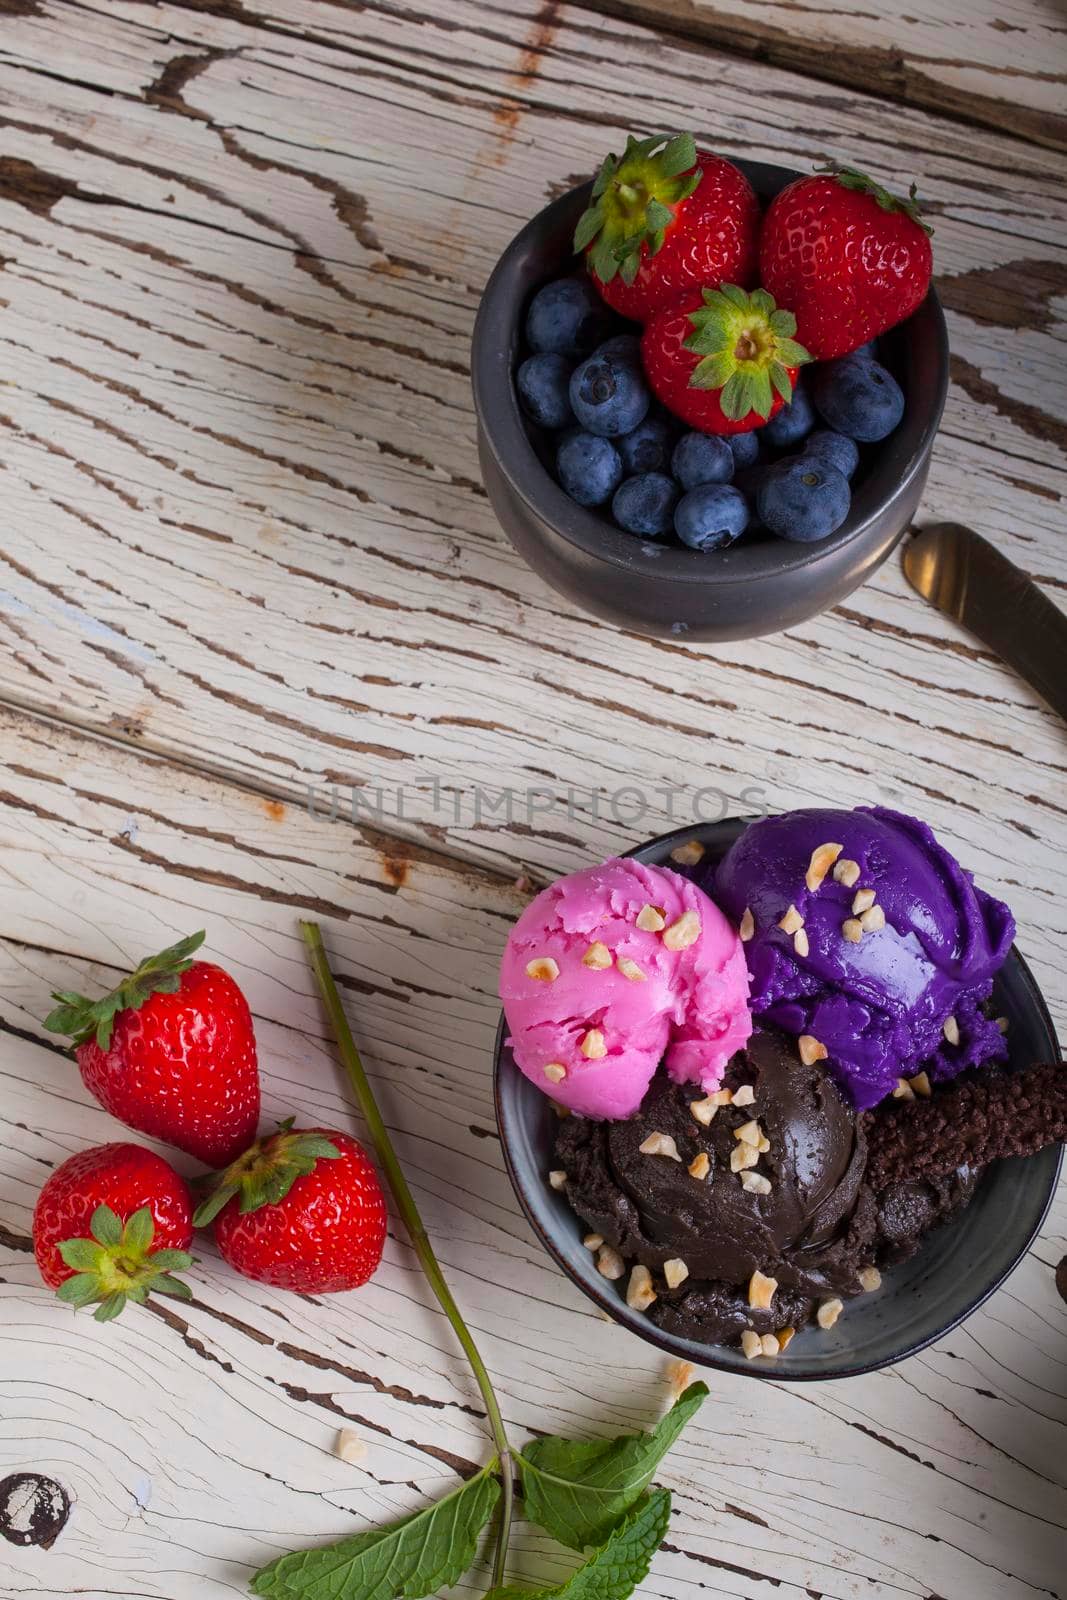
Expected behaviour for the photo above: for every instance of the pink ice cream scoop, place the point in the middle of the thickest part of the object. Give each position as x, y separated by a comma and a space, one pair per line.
611, 971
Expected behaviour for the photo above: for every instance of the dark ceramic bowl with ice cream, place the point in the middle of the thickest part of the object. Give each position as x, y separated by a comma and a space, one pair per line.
813, 1180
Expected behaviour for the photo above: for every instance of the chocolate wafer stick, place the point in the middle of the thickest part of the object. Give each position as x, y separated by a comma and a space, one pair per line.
975, 1120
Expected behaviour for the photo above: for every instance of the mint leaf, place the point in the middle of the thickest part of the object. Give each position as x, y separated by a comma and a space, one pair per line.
620, 1564
578, 1491
417, 1556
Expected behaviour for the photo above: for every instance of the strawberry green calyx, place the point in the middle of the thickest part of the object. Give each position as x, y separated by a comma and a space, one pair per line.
747, 347
85, 1019
849, 178
267, 1171
118, 1264
633, 200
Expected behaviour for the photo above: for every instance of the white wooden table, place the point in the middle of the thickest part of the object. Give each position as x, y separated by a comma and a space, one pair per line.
246, 551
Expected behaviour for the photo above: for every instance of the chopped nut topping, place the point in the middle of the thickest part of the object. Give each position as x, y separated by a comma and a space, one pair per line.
598, 956
747, 925
557, 1179
751, 1344
639, 1291
821, 861
555, 1072
700, 1166
659, 1144
609, 1263
675, 1272
650, 919
680, 1375
873, 919
871, 1279
951, 1029
749, 1133
742, 1156
761, 1290
800, 943
544, 968
350, 1447
791, 921
562, 1112
829, 1312
689, 853
810, 1050
681, 934
764, 1144
785, 1337
921, 1084
592, 1045
593, 1241
769, 1345
755, 1183
903, 1090
847, 872
862, 900
852, 930
745, 1096
704, 1110
1003, 1024
631, 970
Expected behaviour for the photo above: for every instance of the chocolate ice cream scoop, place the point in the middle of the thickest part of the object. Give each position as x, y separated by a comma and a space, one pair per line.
776, 1209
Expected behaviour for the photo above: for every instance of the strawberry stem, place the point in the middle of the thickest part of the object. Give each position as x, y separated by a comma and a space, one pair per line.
84, 1019
409, 1214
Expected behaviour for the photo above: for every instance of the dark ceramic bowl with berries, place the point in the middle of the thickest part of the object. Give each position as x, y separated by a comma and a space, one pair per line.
670, 541
957, 1267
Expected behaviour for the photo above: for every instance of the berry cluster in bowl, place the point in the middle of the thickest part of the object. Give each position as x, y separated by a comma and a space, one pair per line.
713, 369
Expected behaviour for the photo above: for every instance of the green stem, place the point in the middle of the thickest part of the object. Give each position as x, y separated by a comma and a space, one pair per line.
409, 1213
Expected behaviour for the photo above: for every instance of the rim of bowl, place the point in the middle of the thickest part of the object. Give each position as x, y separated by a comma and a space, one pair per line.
708, 1355
502, 425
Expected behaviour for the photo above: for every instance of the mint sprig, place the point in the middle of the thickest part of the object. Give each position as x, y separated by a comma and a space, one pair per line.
416, 1556
621, 1563
579, 1490
585, 1494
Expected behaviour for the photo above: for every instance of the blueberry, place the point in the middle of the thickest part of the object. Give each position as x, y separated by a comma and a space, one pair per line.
792, 424
802, 499
645, 504
711, 516
702, 458
647, 448
858, 397
567, 317
868, 351
626, 345
745, 448
543, 383
588, 467
834, 449
608, 395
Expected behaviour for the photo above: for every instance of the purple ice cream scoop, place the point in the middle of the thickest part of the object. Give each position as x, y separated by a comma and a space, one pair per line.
890, 982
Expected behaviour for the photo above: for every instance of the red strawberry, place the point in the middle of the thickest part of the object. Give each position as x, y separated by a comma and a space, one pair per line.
302, 1210
171, 1052
722, 360
847, 256
659, 225
111, 1224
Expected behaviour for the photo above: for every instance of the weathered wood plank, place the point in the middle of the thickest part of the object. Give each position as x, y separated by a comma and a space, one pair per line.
1001, 65
944, 1477
245, 524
